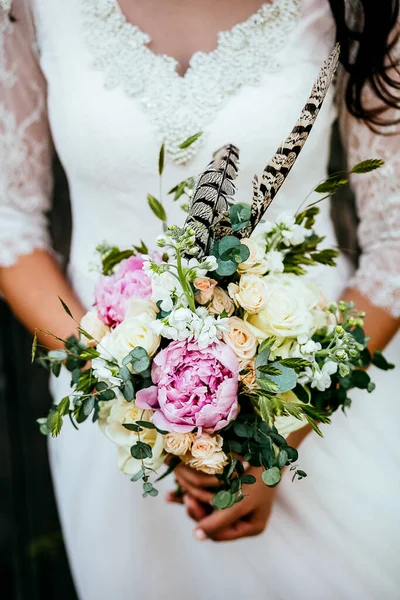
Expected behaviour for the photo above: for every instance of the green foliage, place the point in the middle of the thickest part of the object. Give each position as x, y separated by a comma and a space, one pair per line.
380, 361
65, 307
161, 160
157, 208
331, 185
141, 450
271, 477
112, 256
142, 249
239, 215
34, 347
190, 140
366, 166
229, 253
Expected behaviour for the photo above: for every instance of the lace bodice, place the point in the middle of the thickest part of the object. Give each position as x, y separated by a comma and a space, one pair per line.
110, 101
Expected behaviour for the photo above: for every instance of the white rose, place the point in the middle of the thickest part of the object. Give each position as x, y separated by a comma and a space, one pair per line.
256, 262
178, 443
137, 306
286, 425
239, 337
132, 332
220, 303
288, 312
207, 455
94, 327
251, 293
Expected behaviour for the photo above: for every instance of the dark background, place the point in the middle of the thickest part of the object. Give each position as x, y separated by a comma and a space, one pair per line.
33, 562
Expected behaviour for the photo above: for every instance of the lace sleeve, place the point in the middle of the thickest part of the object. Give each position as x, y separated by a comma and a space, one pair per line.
378, 206
25, 148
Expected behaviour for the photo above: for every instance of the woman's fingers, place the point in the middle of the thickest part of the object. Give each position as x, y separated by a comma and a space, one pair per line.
196, 478
218, 520
197, 492
195, 509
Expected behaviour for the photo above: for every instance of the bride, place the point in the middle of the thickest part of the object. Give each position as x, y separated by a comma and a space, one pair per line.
106, 81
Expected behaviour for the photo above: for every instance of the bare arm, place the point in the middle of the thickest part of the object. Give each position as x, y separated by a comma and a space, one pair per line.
31, 287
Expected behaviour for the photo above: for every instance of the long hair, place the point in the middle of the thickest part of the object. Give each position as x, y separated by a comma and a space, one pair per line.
367, 32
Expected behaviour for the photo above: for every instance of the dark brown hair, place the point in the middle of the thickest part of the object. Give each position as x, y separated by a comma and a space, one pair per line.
367, 32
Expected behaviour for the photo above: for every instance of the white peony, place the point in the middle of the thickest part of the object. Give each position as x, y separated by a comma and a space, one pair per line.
288, 312
94, 327
251, 293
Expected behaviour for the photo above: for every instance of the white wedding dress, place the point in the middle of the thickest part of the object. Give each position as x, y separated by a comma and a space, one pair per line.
108, 102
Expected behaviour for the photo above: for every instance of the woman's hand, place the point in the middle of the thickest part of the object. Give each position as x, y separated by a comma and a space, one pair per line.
246, 518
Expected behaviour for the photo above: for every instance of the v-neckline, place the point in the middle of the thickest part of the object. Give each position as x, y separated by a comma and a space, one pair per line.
180, 105
147, 39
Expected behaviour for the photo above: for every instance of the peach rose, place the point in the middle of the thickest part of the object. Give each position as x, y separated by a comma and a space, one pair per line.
207, 455
178, 444
249, 377
256, 262
206, 286
251, 293
220, 303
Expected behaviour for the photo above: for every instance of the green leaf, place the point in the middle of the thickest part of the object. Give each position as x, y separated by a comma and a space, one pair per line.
262, 358
89, 354
239, 216
244, 430
175, 461
63, 406
139, 366
268, 385
147, 486
88, 405
287, 380
56, 368
140, 451
101, 386
283, 458
157, 208
295, 363
248, 479
124, 373
60, 355
366, 166
138, 475
65, 307
161, 158
330, 185
271, 477
128, 391
266, 345
56, 422
223, 499
107, 395
138, 353
153, 492
302, 393
269, 370
142, 249
380, 361
132, 427
34, 347
190, 140
146, 424
86, 334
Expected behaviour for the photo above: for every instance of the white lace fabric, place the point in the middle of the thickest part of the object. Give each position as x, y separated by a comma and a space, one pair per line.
25, 147
177, 107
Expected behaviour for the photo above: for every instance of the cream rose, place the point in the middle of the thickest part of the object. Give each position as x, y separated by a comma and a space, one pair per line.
256, 262
207, 455
239, 337
249, 377
289, 309
205, 287
94, 327
178, 444
134, 331
220, 303
286, 425
251, 293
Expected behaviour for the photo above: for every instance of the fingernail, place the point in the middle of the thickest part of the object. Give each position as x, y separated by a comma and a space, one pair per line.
200, 535
246, 465
186, 500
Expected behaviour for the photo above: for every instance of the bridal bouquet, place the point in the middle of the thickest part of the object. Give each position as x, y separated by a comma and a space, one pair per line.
213, 346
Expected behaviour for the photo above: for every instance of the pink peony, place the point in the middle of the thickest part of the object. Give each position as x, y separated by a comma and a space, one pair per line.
194, 388
113, 292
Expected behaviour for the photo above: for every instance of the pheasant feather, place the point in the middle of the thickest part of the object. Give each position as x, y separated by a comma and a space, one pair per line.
278, 168
213, 196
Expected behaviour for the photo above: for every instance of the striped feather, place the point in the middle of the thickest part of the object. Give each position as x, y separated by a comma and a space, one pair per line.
279, 167
213, 196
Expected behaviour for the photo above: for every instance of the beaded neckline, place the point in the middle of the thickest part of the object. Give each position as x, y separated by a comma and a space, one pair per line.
180, 105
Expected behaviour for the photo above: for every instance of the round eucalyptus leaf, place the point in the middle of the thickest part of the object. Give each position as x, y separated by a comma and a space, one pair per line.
271, 477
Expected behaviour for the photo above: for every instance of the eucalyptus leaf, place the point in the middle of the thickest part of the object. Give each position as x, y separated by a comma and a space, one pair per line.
60, 355
138, 475
223, 499
128, 391
271, 477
